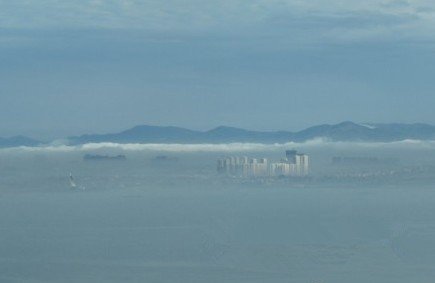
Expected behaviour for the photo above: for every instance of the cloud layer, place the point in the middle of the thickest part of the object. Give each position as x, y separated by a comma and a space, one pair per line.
229, 147
194, 64
341, 20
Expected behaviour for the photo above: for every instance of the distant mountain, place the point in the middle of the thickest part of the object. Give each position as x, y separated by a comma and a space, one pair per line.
230, 134
18, 141
155, 134
345, 131
141, 134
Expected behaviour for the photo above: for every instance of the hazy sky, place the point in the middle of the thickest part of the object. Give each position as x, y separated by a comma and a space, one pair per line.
72, 67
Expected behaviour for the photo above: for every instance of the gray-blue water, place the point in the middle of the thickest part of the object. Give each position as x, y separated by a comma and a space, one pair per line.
141, 221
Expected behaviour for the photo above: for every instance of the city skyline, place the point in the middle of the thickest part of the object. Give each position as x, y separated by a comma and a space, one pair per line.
293, 165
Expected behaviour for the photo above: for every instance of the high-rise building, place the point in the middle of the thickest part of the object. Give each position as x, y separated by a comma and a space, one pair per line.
302, 164
291, 156
244, 160
294, 165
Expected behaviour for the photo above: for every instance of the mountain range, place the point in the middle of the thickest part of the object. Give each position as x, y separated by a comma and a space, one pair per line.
345, 131
18, 141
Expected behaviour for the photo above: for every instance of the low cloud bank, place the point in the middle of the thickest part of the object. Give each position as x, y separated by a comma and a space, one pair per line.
227, 147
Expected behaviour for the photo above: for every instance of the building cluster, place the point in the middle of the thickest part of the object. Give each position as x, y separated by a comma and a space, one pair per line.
295, 164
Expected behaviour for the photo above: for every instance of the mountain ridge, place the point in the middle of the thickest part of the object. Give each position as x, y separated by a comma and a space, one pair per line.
344, 131
18, 141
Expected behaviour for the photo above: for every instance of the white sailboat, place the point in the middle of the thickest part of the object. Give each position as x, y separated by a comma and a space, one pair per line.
71, 181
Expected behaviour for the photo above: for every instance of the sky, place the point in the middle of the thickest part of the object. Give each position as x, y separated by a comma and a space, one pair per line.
75, 67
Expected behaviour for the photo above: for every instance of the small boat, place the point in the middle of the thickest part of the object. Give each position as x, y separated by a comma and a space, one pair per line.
71, 181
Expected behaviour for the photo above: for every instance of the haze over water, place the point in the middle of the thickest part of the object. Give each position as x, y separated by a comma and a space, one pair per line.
143, 220
79, 77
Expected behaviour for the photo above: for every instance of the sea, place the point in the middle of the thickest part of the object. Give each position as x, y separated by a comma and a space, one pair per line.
175, 219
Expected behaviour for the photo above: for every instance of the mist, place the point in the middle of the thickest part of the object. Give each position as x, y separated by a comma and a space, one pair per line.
161, 141
367, 218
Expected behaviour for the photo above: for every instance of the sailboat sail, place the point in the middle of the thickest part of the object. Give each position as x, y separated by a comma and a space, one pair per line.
71, 181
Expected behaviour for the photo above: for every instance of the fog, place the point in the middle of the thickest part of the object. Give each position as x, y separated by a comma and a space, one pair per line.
365, 213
